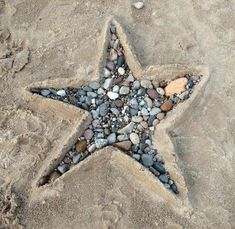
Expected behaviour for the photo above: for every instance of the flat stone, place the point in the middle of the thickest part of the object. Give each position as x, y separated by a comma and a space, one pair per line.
124, 90
160, 116
155, 111
154, 171
147, 160
137, 119
115, 111
81, 146
125, 145
112, 95
167, 105
152, 93
122, 137
91, 94
130, 78
92, 148
104, 109
116, 88
149, 102
101, 142
134, 138
54, 175
136, 156
61, 93
134, 103
176, 86
106, 73
112, 138
63, 168
94, 85
146, 84
107, 83
159, 167
45, 92
88, 134
163, 178
127, 129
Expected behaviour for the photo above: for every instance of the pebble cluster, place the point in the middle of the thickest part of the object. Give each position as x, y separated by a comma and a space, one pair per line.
124, 112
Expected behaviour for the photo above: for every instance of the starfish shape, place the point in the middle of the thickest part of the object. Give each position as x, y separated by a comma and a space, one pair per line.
127, 111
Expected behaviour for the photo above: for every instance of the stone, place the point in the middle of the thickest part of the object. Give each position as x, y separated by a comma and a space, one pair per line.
160, 91
61, 93
106, 73
88, 134
112, 138
144, 111
155, 111
112, 29
104, 109
63, 168
54, 175
110, 65
124, 90
147, 160
107, 83
116, 88
154, 171
92, 148
116, 44
81, 146
45, 92
115, 111
130, 78
136, 156
101, 142
76, 158
94, 85
144, 124
134, 138
121, 71
163, 178
118, 80
137, 119
159, 167
141, 92
149, 102
120, 61
138, 5
167, 105
119, 103
106, 131
92, 94
134, 103
122, 137
152, 93
163, 84
183, 95
125, 145
112, 55
146, 84
100, 91
174, 188
176, 86
156, 122
112, 95
127, 129
160, 116
133, 112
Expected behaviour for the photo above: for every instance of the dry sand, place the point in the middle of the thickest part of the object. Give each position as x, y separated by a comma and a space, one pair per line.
62, 41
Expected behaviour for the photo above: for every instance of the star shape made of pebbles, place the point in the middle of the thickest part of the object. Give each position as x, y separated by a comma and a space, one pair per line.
125, 110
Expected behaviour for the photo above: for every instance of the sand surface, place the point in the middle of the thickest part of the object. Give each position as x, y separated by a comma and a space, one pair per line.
61, 42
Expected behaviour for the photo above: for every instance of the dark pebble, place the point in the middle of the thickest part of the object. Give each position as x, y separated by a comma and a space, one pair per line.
120, 61
190, 84
164, 178
150, 120
159, 167
174, 188
88, 89
154, 171
81, 92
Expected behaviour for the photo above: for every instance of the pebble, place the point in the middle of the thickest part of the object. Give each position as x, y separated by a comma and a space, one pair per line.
144, 124
184, 95
154, 171
146, 84
130, 78
137, 119
160, 116
76, 158
115, 111
125, 145
176, 86
136, 156
122, 137
81, 146
163, 178
107, 83
138, 5
63, 168
120, 61
88, 134
92, 94
152, 93
156, 122
110, 65
127, 129
94, 85
174, 188
133, 112
112, 55
149, 102
134, 138
124, 90
106, 73
116, 89
112, 95
92, 148
144, 111
134, 103
116, 44
160, 91
147, 160
155, 111
101, 142
54, 175
167, 105
159, 167
119, 103
112, 138
121, 71
163, 84
136, 84
61, 93
45, 92
100, 91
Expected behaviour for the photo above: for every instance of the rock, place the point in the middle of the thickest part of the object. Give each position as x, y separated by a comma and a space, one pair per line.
163, 84
88, 134
76, 158
159, 167
183, 95
141, 92
112, 95
61, 93
144, 111
122, 137
110, 65
100, 91
134, 103
136, 156
101, 142
146, 84
127, 129
138, 5
96, 123
92, 148
130, 78
155, 111
121, 71
94, 85
115, 111
87, 89
106, 131
154, 171
167, 105
92, 94
120, 61
160, 116
116, 44
133, 112
81, 146
151, 120
155, 122
119, 103
125, 145
112, 138
160, 91
149, 102
144, 124
112, 29
106, 73
95, 114
63, 168
174, 188
118, 80
134, 138
156, 103
116, 89
104, 109
45, 92
163, 178
190, 83
54, 175
152, 93
147, 160
137, 119
107, 83
112, 55
176, 86
124, 90
81, 92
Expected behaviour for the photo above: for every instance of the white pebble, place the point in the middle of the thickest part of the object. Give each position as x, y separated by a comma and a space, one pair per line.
138, 5
121, 71
61, 93
112, 95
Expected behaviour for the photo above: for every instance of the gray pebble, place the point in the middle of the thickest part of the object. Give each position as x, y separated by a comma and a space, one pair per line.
136, 156
155, 111
91, 94
61, 93
99, 143
112, 138
122, 137
45, 92
77, 158
63, 168
94, 85
163, 178
136, 84
147, 160
104, 109
124, 90
107, 83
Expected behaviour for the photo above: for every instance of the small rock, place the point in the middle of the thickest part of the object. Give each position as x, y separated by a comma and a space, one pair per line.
163, 178
63, 168
119, 103
110, 65
138, 5
107, 83
176, 86
54, 175
45, 92
125, 145
92, 148
120, 61
100, 91
130, 78
137, 119
147, 160
136, 156
116, 44
124, 90
152, 93
112, 95
155, 111
76, 158
127, 129
163, 84
122, 137
106, 73
159, 167
81, 146
121, 71
116, 89
134, 138
146, 84
167, 105
112, 55
149, 102
94, 85
111, 138
133, 112
160, 116
151, 120
61, 93
104, 109
92, 94
144, 124
115, 111
174, 188
101, 142
160, 91
136, 84
144, 111
156, 122
154, 171
112, 29
141, 92
133, 103
183, 95
88, 134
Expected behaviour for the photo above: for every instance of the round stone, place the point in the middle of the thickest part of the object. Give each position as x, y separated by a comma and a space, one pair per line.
110, 65
104, 108
81, 146
124, 90
136, 156
147, 160
160, 91
88, 134
106, 73
174, 188
116, 88
121, 71
92, 148
167, 105
120, 61
119, 103
107, 83
152, 93
76, 158
112, 95
146, 84
137, 119
160, 116
134, 138
112, 55
45, 92
149, 102
61, 93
